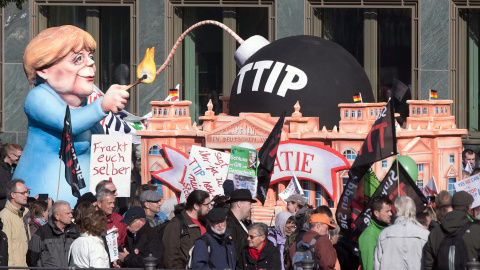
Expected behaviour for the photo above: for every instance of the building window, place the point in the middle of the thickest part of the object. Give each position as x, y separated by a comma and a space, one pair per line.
165, 112
344, 181
318, 195
204, 61
185, 112
353, 113
113, 29
414, 111
451, 186
180, 112
446, 109
371, 112
436, 110
441, 110
155, 151
371, 33
376, 112
451, 159
420, 183
384, 164
306, 190
156, 111
160, 111
176, 112
359, 113
425, 110
420, 167
347, 113
350, 154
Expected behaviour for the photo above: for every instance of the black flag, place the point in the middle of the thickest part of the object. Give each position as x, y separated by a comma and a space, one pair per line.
389, 187
267, 156
67, 154
381, 142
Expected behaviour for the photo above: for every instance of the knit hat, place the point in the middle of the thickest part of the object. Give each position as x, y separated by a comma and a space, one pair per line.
217, 215
462, 198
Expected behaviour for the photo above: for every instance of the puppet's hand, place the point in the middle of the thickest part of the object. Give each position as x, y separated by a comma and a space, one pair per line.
115, 99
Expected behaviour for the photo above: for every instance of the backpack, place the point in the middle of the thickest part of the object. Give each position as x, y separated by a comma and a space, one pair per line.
161, 228
305, 251
190, 253
452, 253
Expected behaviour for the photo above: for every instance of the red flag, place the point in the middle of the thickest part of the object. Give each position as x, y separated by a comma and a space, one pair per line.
267, 156
73, 173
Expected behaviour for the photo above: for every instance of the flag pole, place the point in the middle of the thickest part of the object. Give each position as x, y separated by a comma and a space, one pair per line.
398, 177
59, 173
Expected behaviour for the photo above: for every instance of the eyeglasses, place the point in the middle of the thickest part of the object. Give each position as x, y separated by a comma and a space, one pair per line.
114, 191
16, 155
209, 205
293, 227
252, 236
23, 193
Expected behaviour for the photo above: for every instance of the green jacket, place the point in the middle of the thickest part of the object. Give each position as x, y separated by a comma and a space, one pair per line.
451, 223
367, 242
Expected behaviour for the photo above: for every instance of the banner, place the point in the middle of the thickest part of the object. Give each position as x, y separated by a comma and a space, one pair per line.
111, 159
173, 176
73, 173
293, 187
389, 187
267, 157
472, 186
381, 141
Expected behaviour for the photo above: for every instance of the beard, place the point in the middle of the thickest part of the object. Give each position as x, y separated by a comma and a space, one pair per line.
202, 216
219, 232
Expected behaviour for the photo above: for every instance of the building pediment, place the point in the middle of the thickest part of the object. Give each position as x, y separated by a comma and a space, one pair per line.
417, 146
249, 129
155, 167
451, 172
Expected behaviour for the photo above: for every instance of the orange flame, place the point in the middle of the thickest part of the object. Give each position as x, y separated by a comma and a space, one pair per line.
147, 66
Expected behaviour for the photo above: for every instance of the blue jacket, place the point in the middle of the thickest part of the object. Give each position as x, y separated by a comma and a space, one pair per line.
222, 252
39, 164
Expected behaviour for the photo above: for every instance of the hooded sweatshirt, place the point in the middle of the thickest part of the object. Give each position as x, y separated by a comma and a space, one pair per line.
451, 223
277, 235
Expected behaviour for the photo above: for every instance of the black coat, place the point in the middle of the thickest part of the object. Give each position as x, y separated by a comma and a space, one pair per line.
269, 259
238, 234
5, 178
147, 241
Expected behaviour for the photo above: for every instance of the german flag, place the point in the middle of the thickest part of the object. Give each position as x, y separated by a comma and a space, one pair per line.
357, 97
173, 95
433, 93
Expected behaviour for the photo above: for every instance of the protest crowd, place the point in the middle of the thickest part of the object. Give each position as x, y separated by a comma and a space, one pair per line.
218, 234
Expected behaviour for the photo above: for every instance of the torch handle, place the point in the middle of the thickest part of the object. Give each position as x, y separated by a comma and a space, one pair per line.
135, 83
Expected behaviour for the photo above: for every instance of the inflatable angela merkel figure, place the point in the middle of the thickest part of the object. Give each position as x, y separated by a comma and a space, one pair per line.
59, 62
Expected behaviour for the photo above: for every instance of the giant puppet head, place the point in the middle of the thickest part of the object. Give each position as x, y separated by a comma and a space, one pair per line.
317, 72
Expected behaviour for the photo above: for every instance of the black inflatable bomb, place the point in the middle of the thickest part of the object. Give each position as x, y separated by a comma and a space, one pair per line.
317, 72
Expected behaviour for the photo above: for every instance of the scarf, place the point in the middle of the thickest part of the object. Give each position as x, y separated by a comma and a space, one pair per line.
39, 221
255, 254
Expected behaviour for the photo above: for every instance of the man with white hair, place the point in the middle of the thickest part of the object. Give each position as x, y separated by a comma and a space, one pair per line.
214, 249
402, 244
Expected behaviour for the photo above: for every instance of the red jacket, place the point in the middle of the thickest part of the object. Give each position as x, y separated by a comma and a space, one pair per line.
114, 220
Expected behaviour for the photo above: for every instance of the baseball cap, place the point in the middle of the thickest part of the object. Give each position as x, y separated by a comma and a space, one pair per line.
321, 218
133, 213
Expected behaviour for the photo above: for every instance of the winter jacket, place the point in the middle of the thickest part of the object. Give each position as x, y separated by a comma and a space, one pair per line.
220, 256
326, 254
3, 246
278, 241
49, 246
15, 226
300, 218
5, 178
88, 251
269, 259
238, 234
34, 225
367, 242
451, 223
176, 245
277, 235
401, 246
139, 245
114, 220
347, 253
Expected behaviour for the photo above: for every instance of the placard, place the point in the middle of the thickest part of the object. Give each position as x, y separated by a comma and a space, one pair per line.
111, 159
243, 161
112, 243
472, 186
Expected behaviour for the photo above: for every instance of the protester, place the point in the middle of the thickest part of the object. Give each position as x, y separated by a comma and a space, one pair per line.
323, 247
443, 204
168, 206
296, 204
15, 224
278, 234
182, 231
334, 234
453, 222
135, 201
432, 217
106, 184
468, 156
106, 203
3, 246
240, 210
141, 240
82, 208
214, 249
151, 202
88, 251
466, 174
39, 215
12, 154
87, 197
50, 245
401, 245
423, 219
347, 253
381, 209
299, 233
260, 253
